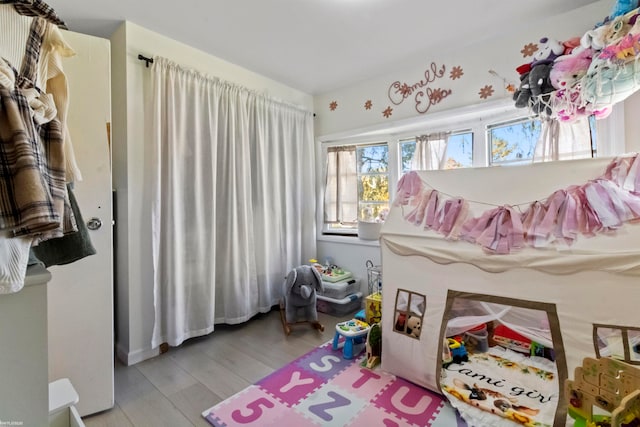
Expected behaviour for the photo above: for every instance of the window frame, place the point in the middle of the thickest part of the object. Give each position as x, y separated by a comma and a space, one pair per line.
475, 119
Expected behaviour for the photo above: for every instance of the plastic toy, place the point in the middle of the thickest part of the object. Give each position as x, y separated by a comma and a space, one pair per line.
354, 332
458, 350
373, 346
511, 339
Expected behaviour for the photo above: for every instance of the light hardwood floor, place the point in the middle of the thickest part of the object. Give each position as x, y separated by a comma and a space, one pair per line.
174, 388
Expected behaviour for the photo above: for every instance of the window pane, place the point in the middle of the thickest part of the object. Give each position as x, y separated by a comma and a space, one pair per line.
634, 344
407, 148
514, 142
373, 158
373, 181
610, 343
459, 151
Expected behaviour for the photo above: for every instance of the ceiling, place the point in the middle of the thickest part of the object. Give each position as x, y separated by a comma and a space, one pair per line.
316, 46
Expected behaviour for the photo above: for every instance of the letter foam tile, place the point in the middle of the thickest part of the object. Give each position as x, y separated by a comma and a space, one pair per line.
363, 382
321, 388
250, 406
409, 402
331, 406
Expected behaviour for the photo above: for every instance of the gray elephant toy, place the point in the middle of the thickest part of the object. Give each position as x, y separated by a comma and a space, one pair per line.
300, 289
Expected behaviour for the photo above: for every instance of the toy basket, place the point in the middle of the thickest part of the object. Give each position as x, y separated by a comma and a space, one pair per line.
374, 278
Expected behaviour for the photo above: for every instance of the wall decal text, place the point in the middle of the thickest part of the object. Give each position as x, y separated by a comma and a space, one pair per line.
423, 95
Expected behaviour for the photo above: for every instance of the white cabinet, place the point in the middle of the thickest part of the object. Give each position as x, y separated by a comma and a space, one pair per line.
24, 395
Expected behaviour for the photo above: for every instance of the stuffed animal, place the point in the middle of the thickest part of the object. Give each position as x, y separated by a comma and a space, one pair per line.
622, 7
548, 50
541, 88
570, 45
300, 289
522, 95
414, 323
607, 83
608, 33
565, 76
568, 69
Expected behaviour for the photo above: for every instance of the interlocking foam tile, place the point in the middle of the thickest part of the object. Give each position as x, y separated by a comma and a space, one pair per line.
363, 382
448, 417
292, 384
252, 406
331, 406
292, 419
323, 364
409, 402
376, 417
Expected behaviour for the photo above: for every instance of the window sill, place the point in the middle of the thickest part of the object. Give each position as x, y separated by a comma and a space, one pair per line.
347, 239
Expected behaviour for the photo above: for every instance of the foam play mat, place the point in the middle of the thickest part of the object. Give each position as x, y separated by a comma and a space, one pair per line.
321, 388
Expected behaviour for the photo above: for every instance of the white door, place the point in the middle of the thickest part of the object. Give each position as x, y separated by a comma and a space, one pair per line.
80, 294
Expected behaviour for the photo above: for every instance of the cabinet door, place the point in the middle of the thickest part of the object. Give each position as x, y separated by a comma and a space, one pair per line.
80, 294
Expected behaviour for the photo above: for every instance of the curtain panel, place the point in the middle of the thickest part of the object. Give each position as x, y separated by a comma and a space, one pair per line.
430, 152
341, 186
233, 205
563, 140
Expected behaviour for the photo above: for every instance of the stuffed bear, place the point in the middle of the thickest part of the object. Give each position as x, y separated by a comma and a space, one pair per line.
414, 323
300, 289
568, 69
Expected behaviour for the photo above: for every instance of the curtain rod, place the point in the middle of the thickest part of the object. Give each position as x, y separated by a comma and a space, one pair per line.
148, 61
145, 59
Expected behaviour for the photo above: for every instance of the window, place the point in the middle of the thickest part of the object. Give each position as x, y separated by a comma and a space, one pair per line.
460, 150
361, 170
513, 142
618, 342
409, 313
373, 181
457, 154
356, 185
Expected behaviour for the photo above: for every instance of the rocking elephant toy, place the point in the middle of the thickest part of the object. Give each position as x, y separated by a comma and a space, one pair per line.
299, 305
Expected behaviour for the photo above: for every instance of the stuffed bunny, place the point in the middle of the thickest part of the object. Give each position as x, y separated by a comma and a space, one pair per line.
300, 289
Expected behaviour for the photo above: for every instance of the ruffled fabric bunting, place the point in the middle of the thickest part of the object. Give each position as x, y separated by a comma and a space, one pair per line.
498, 230
623, 171
409, 186
445, 218
451, 217
601, 205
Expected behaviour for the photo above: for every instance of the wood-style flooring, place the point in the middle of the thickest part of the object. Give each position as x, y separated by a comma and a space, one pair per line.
174, 388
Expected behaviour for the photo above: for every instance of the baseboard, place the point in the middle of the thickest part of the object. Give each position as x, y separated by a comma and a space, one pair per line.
132, 357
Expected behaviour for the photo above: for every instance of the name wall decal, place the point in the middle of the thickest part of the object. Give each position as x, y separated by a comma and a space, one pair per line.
422, 93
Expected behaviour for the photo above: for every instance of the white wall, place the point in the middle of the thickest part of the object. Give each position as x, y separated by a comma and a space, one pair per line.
501, 55
134, 280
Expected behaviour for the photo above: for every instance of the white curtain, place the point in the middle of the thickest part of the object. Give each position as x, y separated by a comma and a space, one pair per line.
563, 141
430, 153
233, 204
341, 186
